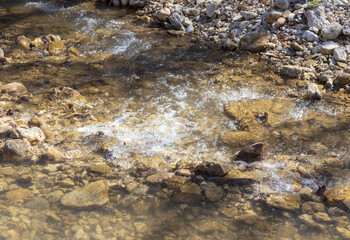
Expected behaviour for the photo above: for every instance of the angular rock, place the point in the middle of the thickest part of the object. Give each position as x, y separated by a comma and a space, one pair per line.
316, 19
14, 88
293, 71
346, 30
335, 196
157, 178
285, 202
16, 149
33, 134
340, 55
37, 203
255, 42
94, 194
177, 21
342, 79
329, 47
234, 176
57, 48
310, 36
163, 14
239, 138
99, 167
313, 93
281, 4
210, 10
212, 169
254, 152
2, 54
331, 31
279, 23
188, 193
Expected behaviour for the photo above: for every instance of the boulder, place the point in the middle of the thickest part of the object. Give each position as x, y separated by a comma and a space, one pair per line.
239, 138
310, 36
293, 71
281, 4
342, 79
163, 14
316, 18
255, 42
176, 21
94, 194
187, 193
328, 48
313, 93
16, 149
213, 193
335, 196
331, 31
99, 167
340, 55
254, 152
212, 169
14, 88
235, 176
285, 202
253, 115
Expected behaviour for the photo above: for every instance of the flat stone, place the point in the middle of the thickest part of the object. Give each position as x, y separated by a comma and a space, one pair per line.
212, 169
336, 196
255, 42
340, 55
37, 203
16, 149
254, 152
187, 193
281, 4
100, 167
285, 202
157, 178
14, 88
248, 15
293, 71
310, 36
329, 47
94, 194
18, 194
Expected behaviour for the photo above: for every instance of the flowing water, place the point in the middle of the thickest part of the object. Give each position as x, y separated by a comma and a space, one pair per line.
149, 94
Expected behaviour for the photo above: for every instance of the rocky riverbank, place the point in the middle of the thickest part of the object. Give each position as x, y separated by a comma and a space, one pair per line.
311, 36
165, 141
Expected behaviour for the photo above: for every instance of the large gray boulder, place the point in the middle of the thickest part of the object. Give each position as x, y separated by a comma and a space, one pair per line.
331, 31
316, 19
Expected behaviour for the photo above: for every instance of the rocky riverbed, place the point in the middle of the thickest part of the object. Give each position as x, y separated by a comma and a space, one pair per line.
111, 128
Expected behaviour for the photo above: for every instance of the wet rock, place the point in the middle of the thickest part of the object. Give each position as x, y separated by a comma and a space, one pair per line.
254, 114
24, 42
100, 167
310, 36
94, 194
187, 193
307, 219
212, 169
163, 14
249, 217
52, 155
3, 186
342, 79
175, 181
57, 48
321, 217
213, 193
157, 178
81, 235
331, 31
328, 48
293, 71
53, 38
311, 207
137, 3
37, 203
316, 18
16, 149
14, 88
234, 176
147, 166
255, 42
340, 55
240, 138
254, 152
18, 194
33, 134
281, 4
2, 54
336, 196
66, 183
284, 202
313, 93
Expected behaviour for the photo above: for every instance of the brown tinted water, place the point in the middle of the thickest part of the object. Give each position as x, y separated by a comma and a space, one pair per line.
151, 95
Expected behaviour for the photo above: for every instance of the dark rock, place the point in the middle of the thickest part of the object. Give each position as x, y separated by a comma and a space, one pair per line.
255, 42
212, 169
188, 193
342, 79
254, 152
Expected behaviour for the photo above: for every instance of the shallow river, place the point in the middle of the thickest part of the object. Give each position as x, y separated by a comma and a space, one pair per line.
150, 94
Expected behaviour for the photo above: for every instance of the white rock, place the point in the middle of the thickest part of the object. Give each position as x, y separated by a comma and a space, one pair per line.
316, 19
33, 134
310, 36
340, 55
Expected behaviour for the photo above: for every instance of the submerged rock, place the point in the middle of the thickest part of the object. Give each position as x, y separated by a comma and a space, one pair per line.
24, 42
94, 194
187, 193
254, 152
213, 193
212, 169
284, 202
336, 196
16, 149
